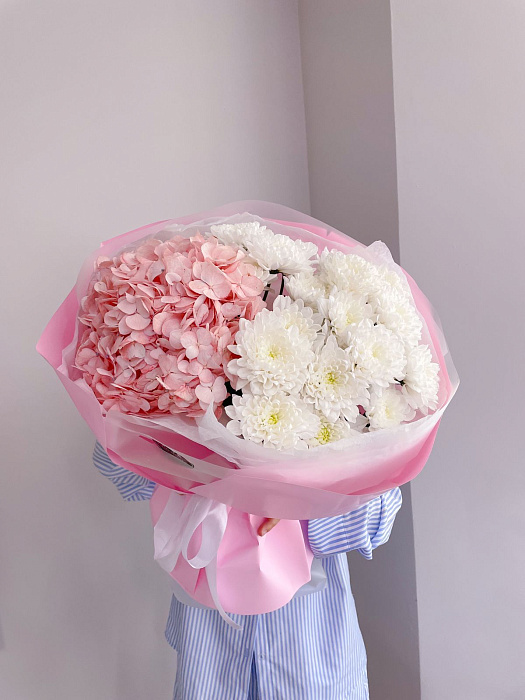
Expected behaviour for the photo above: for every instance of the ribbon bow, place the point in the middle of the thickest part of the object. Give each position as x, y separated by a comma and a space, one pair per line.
175, 528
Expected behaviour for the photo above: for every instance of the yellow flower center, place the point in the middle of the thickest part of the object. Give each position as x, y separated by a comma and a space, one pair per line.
273, 418
331, 377
324, 435
272, 352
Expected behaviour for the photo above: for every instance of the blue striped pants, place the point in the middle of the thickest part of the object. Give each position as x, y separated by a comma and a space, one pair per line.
253, 693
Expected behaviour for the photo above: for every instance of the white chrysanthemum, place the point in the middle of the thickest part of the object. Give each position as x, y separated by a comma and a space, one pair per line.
388, 408
237, 235
421, 382
397, 313
332, 385
344, 310
278, 421
261, 273
308, 287
331, 431
296, 314
272, 357
388, 278
348, 272
378, 353
278, 253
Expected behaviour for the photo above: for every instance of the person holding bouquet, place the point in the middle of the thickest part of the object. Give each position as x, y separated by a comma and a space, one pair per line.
310, 649
248, 362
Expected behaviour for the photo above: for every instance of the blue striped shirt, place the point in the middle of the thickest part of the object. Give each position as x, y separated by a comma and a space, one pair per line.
310, 649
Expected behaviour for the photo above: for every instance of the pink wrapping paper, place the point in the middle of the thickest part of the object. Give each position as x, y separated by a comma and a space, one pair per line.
254, 574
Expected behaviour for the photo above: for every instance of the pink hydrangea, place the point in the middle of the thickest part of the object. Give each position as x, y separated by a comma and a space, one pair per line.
159, 320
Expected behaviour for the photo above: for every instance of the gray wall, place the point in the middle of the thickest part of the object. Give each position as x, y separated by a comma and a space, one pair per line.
459, 104
347, 74
115, 113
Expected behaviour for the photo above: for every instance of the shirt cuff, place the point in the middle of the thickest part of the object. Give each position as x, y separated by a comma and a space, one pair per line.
131, 486
363, 529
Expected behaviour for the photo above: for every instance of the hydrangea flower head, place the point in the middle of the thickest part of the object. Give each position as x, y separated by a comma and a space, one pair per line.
158, 321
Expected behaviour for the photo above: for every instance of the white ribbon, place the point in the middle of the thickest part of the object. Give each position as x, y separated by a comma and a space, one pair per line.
177, 524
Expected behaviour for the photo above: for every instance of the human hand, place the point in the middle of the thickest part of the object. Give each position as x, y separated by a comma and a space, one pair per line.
267, 525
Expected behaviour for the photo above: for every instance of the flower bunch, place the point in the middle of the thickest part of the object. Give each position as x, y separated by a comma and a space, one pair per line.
339, 356
181, 325
159, 320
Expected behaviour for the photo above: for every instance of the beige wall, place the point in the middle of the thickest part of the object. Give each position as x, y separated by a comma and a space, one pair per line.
114, 114
459, 104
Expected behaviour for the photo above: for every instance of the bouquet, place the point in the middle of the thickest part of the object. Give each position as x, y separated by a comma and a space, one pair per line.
252, 362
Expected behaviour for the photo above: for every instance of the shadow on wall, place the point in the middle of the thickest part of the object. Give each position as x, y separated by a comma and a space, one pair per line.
385, 595
346, 49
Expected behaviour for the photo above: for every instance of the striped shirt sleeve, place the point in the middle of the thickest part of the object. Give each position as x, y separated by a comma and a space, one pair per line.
363, 529
131, 486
